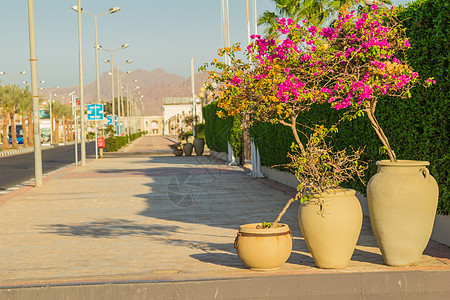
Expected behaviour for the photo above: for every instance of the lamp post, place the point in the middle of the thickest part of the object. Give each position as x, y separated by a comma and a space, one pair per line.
129, 106
50, 110
12, 76
80, 66
111, 11
119, 91
35, 97
112, 76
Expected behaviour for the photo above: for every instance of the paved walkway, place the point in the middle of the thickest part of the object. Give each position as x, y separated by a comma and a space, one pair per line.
146, 215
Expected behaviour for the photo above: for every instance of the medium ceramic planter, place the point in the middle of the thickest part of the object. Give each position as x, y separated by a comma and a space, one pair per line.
187, 148
402, 200
178, 152
331, 223
263, 249
199, 145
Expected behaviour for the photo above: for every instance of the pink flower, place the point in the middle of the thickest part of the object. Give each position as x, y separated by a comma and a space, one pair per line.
407, 44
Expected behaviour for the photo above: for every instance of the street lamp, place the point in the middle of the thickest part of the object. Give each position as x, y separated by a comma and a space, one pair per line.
35, 96
12, 76
80, 67
51, 118
119, 90
112, 74
111, 11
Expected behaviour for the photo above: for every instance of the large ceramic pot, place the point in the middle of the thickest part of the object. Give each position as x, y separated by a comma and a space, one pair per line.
331, 223
402, 200
187, 148
263, 249
178, 152
199, 145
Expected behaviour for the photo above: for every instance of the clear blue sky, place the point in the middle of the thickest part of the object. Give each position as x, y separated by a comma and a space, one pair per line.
161, 33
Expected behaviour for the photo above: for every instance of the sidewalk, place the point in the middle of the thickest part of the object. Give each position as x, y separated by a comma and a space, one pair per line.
146, 221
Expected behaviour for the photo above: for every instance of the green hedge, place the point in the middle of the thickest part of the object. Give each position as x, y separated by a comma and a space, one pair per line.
417, 128
218, 131
113, 144
428, 29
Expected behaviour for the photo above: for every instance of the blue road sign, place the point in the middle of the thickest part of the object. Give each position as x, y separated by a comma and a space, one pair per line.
110, 120
95, 112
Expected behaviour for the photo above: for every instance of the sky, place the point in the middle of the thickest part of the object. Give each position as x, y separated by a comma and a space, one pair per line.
161, 33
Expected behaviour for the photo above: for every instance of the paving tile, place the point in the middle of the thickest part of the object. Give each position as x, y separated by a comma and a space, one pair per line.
145, 214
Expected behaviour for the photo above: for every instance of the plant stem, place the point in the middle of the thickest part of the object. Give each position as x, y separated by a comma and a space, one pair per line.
293, 126
376, 126
283, 211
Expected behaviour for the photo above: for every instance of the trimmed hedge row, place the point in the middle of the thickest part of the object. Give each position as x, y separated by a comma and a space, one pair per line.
114, 143
218, 131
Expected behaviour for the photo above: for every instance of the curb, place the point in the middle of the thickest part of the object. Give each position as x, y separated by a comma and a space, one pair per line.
15, 151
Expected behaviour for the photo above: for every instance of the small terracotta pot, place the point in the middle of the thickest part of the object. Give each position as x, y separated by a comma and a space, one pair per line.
263, 249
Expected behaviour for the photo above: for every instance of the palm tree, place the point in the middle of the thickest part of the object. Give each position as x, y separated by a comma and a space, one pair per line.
67, 117
4, 107
25, 107
10, 99
314, 12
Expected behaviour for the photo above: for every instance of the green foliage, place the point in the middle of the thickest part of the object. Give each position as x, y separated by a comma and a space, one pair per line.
427, 117
417, 128
114, 143
200, 130
218, 131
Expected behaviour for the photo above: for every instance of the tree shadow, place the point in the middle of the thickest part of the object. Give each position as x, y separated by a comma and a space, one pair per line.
108, 228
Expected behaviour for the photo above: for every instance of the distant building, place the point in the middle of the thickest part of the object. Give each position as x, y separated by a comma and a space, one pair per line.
152, 124
175, 110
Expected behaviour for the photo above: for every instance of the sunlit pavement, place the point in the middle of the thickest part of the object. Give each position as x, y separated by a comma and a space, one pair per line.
145, 221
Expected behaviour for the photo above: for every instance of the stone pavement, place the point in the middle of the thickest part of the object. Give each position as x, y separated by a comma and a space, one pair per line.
145, 216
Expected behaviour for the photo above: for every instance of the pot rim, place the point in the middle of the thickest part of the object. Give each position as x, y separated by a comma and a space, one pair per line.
403, 163
337, 192
251, 228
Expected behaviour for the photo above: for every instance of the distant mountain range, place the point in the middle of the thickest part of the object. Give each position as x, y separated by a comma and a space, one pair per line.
153, 85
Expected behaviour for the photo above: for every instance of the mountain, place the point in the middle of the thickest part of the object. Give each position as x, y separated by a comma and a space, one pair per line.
153, 85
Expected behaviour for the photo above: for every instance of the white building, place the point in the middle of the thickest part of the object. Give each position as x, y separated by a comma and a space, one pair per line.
175, 109
152, 124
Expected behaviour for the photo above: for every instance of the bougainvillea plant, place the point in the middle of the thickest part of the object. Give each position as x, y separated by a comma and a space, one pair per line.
350, 65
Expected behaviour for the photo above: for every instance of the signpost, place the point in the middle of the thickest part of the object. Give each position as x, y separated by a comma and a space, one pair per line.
95, 112
110, 122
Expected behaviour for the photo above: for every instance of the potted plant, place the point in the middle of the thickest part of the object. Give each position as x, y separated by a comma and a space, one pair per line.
187, 146
277, 85
178, 149
363, 61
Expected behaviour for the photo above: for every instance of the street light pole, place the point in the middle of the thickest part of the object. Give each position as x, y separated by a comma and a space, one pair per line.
50, 110
119, 92
111, 11
112, 77
80, 63
35, 97
12, 76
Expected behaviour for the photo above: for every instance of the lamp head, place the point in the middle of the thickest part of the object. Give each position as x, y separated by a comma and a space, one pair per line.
106, 60
75, 8
3, 73
129, 61
125, 46
114, 10
23, 72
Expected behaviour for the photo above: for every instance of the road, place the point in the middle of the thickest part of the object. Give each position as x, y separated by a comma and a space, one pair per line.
19, 168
